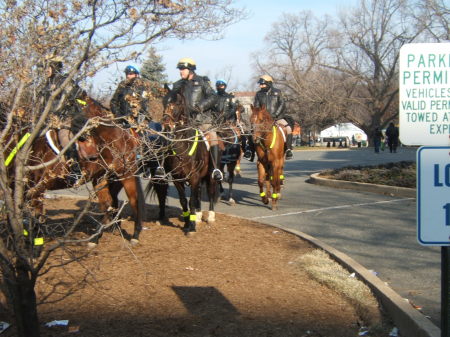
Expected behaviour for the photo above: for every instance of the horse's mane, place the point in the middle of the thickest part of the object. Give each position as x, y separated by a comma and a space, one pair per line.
95, 108
179, 101
263, 114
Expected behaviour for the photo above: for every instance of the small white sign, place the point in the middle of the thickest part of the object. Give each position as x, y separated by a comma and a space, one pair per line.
433, 196
424, 90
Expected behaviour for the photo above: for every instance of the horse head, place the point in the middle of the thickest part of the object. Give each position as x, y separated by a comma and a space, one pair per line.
174, 109
93, 108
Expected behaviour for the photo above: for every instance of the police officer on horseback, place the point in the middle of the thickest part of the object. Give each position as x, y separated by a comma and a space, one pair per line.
67, 107
200, 102
225, 106
130, 100
130, 105
272, 99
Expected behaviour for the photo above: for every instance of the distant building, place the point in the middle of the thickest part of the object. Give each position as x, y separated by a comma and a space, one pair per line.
345, 132
246, 98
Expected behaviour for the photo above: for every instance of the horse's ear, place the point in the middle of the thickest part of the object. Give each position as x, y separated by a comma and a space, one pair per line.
166, 88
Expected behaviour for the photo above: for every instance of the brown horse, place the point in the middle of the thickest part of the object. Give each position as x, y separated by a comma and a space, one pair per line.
188, 162
108, 158
269, 145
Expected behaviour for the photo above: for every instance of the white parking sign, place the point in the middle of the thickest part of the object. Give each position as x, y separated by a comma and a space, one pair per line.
424, 90
433, 196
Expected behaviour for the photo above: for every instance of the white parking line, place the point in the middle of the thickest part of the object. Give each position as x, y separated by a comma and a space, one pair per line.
329, 208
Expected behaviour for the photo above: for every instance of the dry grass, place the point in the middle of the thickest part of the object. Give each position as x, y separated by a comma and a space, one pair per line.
328, 272
402, 174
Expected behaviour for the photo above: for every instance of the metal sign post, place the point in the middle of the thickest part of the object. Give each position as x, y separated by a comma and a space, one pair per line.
424, 115
445, 292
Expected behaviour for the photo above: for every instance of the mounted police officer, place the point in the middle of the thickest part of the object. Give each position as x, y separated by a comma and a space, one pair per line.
130, 104
225, 106
272, 99
131, 98
67, 108
200, 102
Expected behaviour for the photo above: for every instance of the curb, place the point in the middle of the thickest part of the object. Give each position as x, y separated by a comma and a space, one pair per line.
365, 187
408, 320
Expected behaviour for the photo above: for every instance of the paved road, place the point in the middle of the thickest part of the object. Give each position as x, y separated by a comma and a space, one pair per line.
376, 230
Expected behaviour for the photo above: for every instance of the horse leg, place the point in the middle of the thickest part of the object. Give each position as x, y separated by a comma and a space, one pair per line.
193, 202
198, 202
105, 201
211, 188
37, 204
231, 166
261, 182
161, 188
276, 186
135, 195
183, 202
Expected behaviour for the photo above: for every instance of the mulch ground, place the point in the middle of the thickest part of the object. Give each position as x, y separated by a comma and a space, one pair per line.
233, 278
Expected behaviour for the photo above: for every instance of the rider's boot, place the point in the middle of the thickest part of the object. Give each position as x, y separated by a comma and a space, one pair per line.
215, 154
75, 175
289, 154
250, 150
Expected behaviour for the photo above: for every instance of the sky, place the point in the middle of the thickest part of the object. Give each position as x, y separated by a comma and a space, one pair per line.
239, 42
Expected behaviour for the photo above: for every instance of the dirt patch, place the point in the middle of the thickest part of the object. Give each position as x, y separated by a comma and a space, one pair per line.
233, 278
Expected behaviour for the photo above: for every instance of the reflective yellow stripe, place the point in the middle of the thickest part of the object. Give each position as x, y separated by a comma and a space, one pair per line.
281, 176
80, 101
38, 241
192, 217
262, 194
25, 232
185, 214
274, 137
16, 148
274, 195
194, 146
271, 177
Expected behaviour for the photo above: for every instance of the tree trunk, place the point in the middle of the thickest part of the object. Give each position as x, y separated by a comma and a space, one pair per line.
22, 296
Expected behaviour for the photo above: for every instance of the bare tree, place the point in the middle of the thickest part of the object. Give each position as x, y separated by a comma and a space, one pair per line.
434, 15
88, 35
295, 50
348, 70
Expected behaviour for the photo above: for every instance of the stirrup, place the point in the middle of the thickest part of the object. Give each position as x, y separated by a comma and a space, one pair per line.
217, 175
160, 172
289, 154
248, 154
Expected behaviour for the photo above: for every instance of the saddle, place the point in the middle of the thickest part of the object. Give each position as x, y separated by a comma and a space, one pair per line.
87, 148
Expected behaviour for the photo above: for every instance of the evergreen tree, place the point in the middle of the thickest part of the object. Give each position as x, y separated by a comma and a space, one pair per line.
153, 69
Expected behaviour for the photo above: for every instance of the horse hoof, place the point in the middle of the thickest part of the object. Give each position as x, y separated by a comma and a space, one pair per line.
42, 219
211, 217
91, 245
190, 234
198, 217
231, 202
265, 201
134, 242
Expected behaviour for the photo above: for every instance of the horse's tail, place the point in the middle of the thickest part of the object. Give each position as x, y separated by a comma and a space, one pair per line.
160, 189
